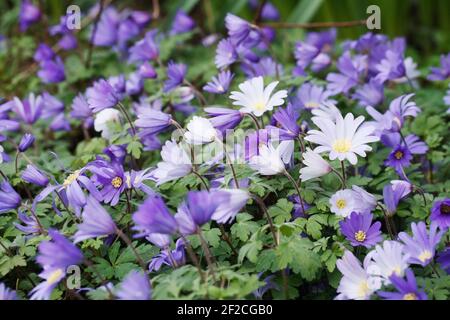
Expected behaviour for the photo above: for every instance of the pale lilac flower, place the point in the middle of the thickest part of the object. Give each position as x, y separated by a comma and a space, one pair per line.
220, 83
135, 286
311, 96
225, 54
175, 163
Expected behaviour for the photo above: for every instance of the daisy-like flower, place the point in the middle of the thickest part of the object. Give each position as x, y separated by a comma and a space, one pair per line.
269, 160
225, 54
422, 245
256, 99
359, 230
440, 212
29, 110
342, 203
200, 131
315, 166
220, 83
176, 163
153, 216
311, 96
387, 259
101, 95
356, 283
406, 289
344, 138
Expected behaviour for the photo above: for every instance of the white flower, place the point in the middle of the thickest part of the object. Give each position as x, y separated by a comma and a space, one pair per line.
104, 119
176, 163
326, 110
316, 166
255, 99
387, 260
356, 283
342, 203
364, 201
343, 138
226, 211
200, 131
407, 187
1, 156
269, 161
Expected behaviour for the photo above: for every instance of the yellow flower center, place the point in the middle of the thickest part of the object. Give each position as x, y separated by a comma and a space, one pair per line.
54, 277
116, 182
397, 271
342, 145
71, 178
360, 236
363, 289
260, 106
410, 296
341, 203
425, 255
398, 155
312, 105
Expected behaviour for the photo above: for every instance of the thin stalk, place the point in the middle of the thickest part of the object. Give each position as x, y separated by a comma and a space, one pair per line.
125, 113
197, 93
127, 240
100, 276
208, 255
263, 208
343, 184
227, 239
202, 179
193, 257
344, 177
255, 120
297, 188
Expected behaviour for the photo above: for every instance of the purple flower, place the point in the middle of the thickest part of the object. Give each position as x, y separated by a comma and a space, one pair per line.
81, 110
96, 222
135, 286
43, 53
111, 177
227, 210
443, 72
106, 33
6, 293
128, 29
134, 84
142, 18
52, 106
68, 42
220, 83
182, 23
186, 224
370, 94
145, 49
297, 210
9, 198
31, 226
175, 74
268, 284
26, 142
225, 54
350, 70
310, 96
359, 230
440, 212
421, 246
176, 256
32, 175
392, 197
444, 259
406, 289
28, 15
146, 71
268, 12
29, 110
223, 118
391, 67
238, 29
265, 67
119, 84
60, 123
58, 252
286, 119
52, 71
152, 121
399, 158
203, 204
160, 240
153, 216
101, 96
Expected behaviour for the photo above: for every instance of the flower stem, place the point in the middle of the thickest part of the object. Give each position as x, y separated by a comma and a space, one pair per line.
297, 188
125, 113
255, 120
202, 179
263, 208
343, 184
127, 240
209, 257
344, 176
197, 93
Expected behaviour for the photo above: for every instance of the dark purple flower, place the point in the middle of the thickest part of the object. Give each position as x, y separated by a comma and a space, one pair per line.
359, 230
225, 54
286, 119
224, 118
182, 23
440, 212
29, 226
58, 253
153, 216
220, 83
175, 74
60, 123
152, 121
128, 29
297, 211
443, 72
52, 71
101, 96
9, 198
399, 158
116, 153
176, 256
43, 53
444, 259
406, 289
146, 48
146, 71
268, 284
110, 177
96, 222
26, 142
142, 18
370, 94
203, 204
28, 15
421, 246
238, 29
33, 175
135, 286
